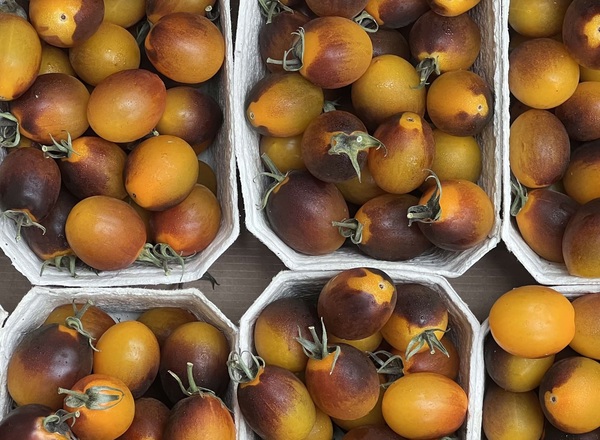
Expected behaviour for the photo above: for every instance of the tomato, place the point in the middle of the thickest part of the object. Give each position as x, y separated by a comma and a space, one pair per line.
34, 421
164, 320
105, 405
370, 432
95, 321
456, 157
333, 51
285, 152
273, 401
372, 418
323, 427
539, 148
124, 13
130, 352
456, 215
29, 186
579, 32
277, 35
192, 115
161, 172
156, 9
66, 23
356, 303
581, 112
542, 74
581, 240
568, 397
542, 220
539, 18
20, 56
389, 86
532, 321
452, 8
149, 421
55, 60
389, 42
205, 409
283, 104
424, 406
105, 233
514, 373
342, 380
402, 165
206, 347
127, 105
207, 177
366, 344
196, 61
60, 356
419, 320
585, 341
53, 108
460, 102
359, 191
581, 177
109, 50
190, 226
509, 415
276, 329
396, 14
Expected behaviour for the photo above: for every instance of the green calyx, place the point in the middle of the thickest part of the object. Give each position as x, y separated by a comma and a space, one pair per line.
9, 130
296, 52
431, 211
270, 8
426, 67
351, 145
273, 173
74, 322
61, 261
161, 255
22, 219
426, 337
350, 228
519, 195
367, 22
60, 150
193, 389
99, 397
316, 348
57, 423
241, 371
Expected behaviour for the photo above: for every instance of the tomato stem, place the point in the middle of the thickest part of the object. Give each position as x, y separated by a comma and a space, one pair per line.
426, 67
60, 150
94, 398
22, 219
242, 372
67, 261
193, 389
519, 193
426, 337
351, 145
317, 348
297, 50
270, 8
10, 135
161, 255
57, 423
74, 322
367, 22
273, 173
431, 211
350, 228
12, 7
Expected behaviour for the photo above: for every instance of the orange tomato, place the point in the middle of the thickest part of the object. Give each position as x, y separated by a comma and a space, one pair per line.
587, 326
105, 404
163, 320
424, 406
532, 321
55, 60
125, 13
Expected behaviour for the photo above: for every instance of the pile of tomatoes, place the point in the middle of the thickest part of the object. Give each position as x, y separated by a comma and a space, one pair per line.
84, 374
361, 356
106, 106
542, 357
369, 120
554, 149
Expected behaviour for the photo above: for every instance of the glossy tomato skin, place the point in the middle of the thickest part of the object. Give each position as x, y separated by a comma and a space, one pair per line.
347, 390
207, 411
356, 303
27, 423
437, 362
395, 14
21, 58
163, 320
277, 405
203, 345
192, 115
386, 234
52, 242
96, 224
301, 210
156, 9
194, 62
580, 241
54, 105
581, 179
95, 168
149, 421
276, 329
586, 325
45, 349
190, 226
30, 182
127, 105
579, 37
64, 24
581, 112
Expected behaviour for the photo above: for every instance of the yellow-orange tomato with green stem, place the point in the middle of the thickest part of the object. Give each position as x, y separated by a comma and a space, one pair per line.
95, 320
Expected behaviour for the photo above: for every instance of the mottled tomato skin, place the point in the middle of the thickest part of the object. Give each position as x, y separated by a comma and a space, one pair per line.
30, 182
149, 421
207, 412
48, 357
301, 209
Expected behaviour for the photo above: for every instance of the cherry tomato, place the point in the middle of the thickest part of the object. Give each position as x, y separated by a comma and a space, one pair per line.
164, 320
578, 32
34, 421
581, 240
149, 421
95, 321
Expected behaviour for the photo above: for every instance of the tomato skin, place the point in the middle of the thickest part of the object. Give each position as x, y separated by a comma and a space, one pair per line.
532, 321
149, 421
164, 320
581, 179
395, 14
277, 405
97, 224
101, 420
156, 9
27, 423
424, 406
20, 59
60, 357
579, 32
585, 341
54, 106
581, 241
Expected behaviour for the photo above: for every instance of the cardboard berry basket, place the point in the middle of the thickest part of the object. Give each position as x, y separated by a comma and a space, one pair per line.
219, 156
544, 271
464, 328
249, 69
121, 303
